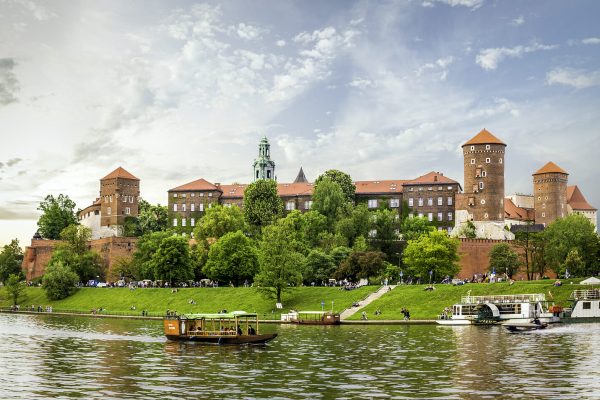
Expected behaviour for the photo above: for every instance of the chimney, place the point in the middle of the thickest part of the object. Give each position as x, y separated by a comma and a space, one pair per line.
217, 184
435, 179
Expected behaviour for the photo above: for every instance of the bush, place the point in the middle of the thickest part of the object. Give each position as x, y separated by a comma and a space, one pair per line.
59, 281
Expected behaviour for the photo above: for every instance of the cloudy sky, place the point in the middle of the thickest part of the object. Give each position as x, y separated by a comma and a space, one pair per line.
178, 90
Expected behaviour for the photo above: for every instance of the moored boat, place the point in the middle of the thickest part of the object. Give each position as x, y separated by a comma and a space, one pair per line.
524, 326
585, 306
238, 327
312, 317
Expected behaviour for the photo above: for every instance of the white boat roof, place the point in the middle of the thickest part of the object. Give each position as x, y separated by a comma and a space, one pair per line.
504, 298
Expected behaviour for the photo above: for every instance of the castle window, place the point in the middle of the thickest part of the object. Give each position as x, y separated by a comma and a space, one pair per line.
127, 210
192, 207
449, 201
483, 174
308, 204
472, 161
373, 233
201, 194
268, 174
482, 201
480, 185
210, 194
174, 194
110, 199
174, 207
372, 203
440, 188
183, 207
192, 222
209, 205
485, 215
420, 189
430, 217
228, 205
500, 161
430, 201
183, 221
174, 221
471, 201
430, 188
394, 203
488, 160
411, 215
290, 205
201, 207
449, 187
440, 201
420, 201
109, 211
440, 216
410, 202
410, 190
193, 194
472, 147
449, 216
475, 188
487, 146
420, 215
183, 195
544, 215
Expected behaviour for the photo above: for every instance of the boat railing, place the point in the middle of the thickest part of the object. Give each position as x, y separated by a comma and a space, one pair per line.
585, 294
211, 333
504, 298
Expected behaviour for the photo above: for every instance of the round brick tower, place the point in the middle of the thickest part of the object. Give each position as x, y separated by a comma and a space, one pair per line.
484, 177
550, 193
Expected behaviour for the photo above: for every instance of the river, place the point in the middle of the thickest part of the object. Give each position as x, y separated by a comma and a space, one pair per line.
45, 356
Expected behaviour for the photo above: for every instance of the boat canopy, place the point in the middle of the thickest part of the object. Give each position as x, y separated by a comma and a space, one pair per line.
505, 298
231, 315
314, 312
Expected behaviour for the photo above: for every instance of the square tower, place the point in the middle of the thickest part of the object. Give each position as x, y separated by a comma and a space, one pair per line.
119, 197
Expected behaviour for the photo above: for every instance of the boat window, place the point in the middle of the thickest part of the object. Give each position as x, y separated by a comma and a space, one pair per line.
587, 305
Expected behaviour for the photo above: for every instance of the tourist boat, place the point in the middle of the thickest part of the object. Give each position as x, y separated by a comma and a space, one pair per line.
312, 317
585, 306
238, 327
493, 309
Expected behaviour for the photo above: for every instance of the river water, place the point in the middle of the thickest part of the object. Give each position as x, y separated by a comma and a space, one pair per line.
44, 356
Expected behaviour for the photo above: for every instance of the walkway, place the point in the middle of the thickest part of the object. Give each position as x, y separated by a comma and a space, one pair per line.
370, 298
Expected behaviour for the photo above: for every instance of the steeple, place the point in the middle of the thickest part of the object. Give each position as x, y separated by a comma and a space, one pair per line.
264, 167
301, 178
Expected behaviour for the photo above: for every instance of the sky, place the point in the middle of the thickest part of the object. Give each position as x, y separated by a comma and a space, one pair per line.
174, 91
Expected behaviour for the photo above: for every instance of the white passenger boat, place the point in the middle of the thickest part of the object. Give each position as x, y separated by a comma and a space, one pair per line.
493, 309
585, 306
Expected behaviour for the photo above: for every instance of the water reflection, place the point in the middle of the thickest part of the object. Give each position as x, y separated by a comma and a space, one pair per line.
46, 356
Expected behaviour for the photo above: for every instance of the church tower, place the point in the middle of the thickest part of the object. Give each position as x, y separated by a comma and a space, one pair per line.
550, 193
119, 195
264, 167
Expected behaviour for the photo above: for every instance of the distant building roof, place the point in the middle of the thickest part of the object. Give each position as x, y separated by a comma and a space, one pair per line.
533, 228
549, 168
120, 173
295, 189
199, 184
301, 177
431, 178
484, 137
511, 211
233, 191
576, 199
372, 187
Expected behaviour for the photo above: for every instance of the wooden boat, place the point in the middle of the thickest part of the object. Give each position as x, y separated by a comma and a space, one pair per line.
522, 326
317, 318
238, 327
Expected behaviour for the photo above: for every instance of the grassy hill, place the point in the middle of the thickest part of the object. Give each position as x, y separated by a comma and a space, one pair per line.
429, 304
157, 301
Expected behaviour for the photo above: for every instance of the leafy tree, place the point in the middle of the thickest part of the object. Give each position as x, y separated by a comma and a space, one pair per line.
152, 218
233, 258
329, 200
538, 253
131, 227
572, 232
360, 244
524, 241
435, 252
11, 259
147, 245
361, 265
355, 225
387, 224
262, 204
199, 256
279, 260
125, 267
503, 259
218, 221
340, 253
342, 179
574, 263
172, 261
468, 230
329, 241
313, 225
57, 214
15, 286
319, 267
414, 228
74, 253
59, 281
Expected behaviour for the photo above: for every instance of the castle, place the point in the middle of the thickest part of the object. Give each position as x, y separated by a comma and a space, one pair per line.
483, 203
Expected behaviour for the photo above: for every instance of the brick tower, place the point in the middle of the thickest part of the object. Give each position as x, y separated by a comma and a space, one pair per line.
484, 177
119, 195
550, 193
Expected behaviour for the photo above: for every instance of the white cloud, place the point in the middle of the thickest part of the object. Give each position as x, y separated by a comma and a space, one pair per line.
361, 83
576, 78
249, 32
439, 67
489, 59
280, 43
520, 20
472, 4
36, 10
591, 40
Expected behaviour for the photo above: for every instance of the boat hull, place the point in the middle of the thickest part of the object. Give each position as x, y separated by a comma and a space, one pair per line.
225, 340
524, 326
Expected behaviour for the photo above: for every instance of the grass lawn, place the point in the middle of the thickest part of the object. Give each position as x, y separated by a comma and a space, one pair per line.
429, 304
157, 301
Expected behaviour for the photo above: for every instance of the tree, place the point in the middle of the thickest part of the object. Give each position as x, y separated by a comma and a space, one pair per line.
572, 232
328, 199
355, 225
125, 267
73, 253
361, 265
414, 228
15, 286
435, 252
468, 230
386, 223
262, 204
199, 256
340, 253
523, 240
574, 263
59, 281
218, 221
233, 258
147, 245
57, 214
503, 259
152, 218
11, 259
313, 225
172, 260
342, 179
279, 260
319, 267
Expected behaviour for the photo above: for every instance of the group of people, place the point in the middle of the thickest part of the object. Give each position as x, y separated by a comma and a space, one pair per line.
405, 313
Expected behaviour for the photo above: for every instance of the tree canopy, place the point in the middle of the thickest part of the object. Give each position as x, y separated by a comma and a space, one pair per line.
15, 286
59, 281
414, 228
218, 221
73, 253
361, 265
172, 261
11, 259
262, 204
435, 252
147, 245
342, 179
233, 258
328, 199
57, 214
503, 259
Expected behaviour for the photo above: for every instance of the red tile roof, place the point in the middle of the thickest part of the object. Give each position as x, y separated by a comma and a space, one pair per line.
550, 168
235, 191
576, 200
511, 211
484, 137
430, 178
295, 189
199, 184
371, 187
120, 173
